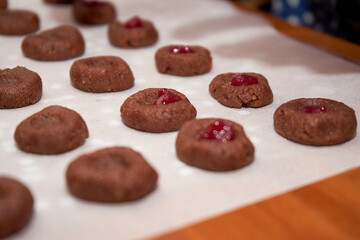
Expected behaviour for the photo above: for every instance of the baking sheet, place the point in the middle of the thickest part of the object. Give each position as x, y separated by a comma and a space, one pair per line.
239, 42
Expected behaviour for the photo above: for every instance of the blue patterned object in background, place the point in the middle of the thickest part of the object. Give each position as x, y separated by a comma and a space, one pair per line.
317, 14
340, 18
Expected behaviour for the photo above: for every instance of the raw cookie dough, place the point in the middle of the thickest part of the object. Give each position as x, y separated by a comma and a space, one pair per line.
214, 145
16, 206
93, 12
101, 74
133, 33
3, 4
18, 22
19, 87
59, 43
115, 174
53, 130
183, 60
239, 90
60, 1
157, 110
315, 121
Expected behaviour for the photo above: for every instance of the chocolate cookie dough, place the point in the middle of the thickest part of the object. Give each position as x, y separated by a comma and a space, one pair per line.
101, 74
315, 121
115, 174
239, 90
183, 60
19, 87
133, 33
53, 130
16, 206
157, 110
93, 12
3, 4
18, 22
59, 43
59, 1
214, 145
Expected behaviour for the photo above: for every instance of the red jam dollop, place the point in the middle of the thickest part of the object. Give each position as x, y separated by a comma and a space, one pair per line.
134, 22
166, 97
313, 109
218, 130
244, 80
181, 49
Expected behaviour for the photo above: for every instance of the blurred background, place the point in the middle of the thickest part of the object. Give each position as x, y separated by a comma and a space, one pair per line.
340, 18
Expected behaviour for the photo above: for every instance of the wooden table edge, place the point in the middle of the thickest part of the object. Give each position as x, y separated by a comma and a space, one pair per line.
327, 209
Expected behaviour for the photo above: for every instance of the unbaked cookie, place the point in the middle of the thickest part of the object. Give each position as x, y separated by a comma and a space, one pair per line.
59, 1
157, 110
115, 174
93, 12
53, 130
101, 74
214, 145
133, 33
239, 90
18, 22
16, 206
3, 4
315, 121
19, 87
59, 43
183, 60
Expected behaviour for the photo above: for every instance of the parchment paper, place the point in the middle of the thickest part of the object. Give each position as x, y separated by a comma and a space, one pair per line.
239, 42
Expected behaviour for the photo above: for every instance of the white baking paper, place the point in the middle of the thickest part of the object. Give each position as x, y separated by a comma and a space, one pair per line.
239, 42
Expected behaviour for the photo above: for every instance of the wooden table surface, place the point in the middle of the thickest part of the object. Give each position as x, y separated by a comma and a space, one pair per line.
328, 209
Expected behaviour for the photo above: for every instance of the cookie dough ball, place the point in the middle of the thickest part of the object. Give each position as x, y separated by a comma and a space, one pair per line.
239, 90
183, 60
59, 1
18, 22
315, 121
93, 12
59, 43
101, 74
3, 4
133, 33
19, 87
214, 145
16, 206
53, 130
116, 174
157, 110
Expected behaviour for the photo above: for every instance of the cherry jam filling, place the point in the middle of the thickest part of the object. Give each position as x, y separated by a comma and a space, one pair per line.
181, 49
134, 22
244, 80
166, 97
93, 4
218, 130
313, 109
